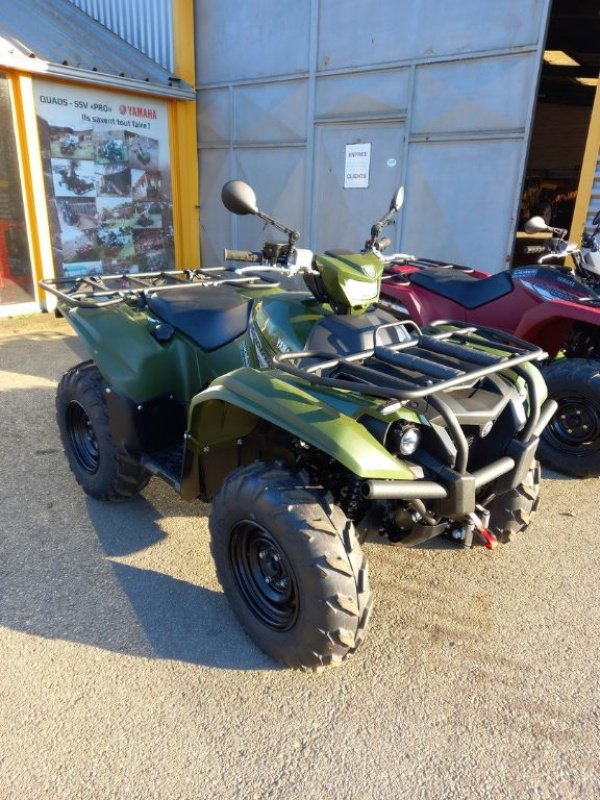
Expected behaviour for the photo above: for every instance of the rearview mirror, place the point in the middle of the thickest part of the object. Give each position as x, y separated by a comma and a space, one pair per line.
536, 225
397, 199
239, 198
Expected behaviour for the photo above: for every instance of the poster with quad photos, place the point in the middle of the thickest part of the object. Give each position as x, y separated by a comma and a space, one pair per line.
107, 173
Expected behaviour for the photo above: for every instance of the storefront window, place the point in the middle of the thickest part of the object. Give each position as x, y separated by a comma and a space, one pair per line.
16, 281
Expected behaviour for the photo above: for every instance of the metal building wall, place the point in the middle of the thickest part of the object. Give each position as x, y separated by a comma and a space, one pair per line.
146, 24
443, 92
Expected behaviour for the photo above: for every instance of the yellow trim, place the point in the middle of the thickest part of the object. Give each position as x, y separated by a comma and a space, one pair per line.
32, 181
183, 40
184, 175
588, 172
184, 143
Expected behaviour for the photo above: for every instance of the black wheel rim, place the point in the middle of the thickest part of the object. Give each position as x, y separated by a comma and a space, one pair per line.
82, 438
575, 425
264, 576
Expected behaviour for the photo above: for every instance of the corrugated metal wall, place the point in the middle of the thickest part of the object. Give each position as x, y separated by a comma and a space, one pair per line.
146, 24
444, 92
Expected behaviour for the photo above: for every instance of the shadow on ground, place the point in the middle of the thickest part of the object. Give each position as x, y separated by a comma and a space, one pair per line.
57, 579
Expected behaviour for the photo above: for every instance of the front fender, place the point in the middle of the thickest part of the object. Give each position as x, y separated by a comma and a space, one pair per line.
232, 405
548, 324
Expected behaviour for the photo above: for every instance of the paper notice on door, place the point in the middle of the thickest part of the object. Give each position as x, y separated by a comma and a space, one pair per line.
358, 164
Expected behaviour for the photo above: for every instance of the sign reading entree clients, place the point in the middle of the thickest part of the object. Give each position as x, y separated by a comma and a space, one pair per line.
358, 164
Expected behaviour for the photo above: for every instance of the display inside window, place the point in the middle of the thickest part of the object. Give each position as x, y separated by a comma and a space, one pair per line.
107, 172
553, 199
16, 281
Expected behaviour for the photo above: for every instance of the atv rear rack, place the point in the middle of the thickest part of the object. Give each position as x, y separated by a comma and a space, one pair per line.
425, 366
406, 260
100, 291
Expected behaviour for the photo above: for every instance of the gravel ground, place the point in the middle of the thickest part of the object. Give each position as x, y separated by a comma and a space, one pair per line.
125, 675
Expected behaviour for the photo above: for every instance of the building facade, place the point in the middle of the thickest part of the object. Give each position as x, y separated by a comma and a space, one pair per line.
91, 178
324, 107
442, 96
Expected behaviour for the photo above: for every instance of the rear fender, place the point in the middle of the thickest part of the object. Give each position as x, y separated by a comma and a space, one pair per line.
232, 407
131, 360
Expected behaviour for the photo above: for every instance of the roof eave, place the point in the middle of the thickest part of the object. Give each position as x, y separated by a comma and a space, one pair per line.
33, 65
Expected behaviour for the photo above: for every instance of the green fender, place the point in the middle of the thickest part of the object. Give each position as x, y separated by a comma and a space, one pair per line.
230, 407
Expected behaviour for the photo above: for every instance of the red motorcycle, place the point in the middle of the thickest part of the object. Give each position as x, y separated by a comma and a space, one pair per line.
546, 305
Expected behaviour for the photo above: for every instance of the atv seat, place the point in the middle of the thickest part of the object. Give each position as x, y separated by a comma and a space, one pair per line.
462, 288
210, 315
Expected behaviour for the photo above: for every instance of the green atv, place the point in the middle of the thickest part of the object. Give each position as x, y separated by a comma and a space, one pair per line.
309, 419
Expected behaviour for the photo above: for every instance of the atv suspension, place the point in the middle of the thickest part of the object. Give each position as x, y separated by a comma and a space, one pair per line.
327, 472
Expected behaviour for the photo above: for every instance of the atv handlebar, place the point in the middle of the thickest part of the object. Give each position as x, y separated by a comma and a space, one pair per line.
242, 255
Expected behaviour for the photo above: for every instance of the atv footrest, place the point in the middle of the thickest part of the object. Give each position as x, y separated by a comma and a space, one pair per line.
166, 463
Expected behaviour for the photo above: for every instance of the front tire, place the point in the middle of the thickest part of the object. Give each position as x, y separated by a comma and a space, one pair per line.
512, 512
101, 469
291, 567
571, 441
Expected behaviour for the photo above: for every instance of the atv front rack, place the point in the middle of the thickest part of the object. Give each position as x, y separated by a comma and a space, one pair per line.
425, 366
100, 291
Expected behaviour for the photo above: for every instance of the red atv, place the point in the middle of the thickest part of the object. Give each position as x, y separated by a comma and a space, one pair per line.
548, 306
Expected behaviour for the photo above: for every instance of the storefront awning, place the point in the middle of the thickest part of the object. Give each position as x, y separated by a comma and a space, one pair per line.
57, 39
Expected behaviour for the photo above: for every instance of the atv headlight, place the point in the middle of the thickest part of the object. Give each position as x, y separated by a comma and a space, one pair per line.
519, 407
409, 441
404, 439
360, 291
523, 393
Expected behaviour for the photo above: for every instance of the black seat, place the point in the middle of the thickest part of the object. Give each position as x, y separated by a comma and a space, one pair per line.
210, 315
463, 288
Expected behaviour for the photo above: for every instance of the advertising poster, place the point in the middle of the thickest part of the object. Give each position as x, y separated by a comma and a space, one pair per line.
108, 179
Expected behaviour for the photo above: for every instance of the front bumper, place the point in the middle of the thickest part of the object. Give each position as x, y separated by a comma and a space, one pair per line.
457, 491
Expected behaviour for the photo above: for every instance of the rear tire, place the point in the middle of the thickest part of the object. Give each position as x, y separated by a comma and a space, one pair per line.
291, 567
102, 470
512, 512
571, 441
